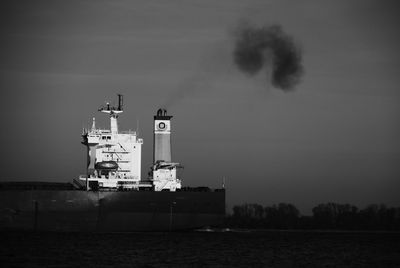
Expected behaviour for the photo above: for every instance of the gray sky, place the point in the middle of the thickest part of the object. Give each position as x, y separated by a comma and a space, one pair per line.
334, 138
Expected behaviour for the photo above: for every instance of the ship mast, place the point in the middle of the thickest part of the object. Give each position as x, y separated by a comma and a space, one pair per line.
113, 112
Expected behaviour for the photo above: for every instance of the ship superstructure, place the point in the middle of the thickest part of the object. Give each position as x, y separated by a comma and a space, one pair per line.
114, 157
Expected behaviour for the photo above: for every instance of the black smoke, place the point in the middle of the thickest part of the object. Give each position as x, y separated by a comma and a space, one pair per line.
269, 48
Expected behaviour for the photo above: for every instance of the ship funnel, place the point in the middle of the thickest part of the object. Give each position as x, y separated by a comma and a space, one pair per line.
162, 137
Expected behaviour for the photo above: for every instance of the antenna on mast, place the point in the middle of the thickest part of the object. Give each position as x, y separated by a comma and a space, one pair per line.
109, 109
113, 112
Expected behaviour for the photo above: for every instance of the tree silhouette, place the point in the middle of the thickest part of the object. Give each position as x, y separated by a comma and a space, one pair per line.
331, 216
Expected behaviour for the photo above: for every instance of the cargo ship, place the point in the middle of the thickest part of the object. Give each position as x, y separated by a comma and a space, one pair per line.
112, 196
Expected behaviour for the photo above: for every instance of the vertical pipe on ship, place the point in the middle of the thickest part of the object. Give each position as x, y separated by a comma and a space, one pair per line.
120, 102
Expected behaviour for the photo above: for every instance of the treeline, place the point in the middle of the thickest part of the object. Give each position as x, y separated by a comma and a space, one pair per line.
324, 216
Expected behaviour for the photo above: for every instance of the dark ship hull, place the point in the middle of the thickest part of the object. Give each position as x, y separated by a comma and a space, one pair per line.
110, 211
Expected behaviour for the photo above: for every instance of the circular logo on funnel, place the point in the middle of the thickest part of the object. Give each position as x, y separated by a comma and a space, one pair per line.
161, 125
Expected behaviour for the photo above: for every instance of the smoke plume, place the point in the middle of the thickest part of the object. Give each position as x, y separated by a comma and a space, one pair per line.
269, 48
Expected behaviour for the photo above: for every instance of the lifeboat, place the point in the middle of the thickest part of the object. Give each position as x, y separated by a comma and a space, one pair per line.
108, 165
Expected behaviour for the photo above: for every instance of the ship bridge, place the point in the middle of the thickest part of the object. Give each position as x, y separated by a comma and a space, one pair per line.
114, 157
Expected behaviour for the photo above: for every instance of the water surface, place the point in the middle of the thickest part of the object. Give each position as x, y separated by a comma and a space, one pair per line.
201, 249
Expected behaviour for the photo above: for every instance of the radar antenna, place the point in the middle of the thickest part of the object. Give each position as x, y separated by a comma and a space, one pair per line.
113, 112
111, 109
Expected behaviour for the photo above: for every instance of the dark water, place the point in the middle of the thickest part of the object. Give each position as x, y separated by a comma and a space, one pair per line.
200, 249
